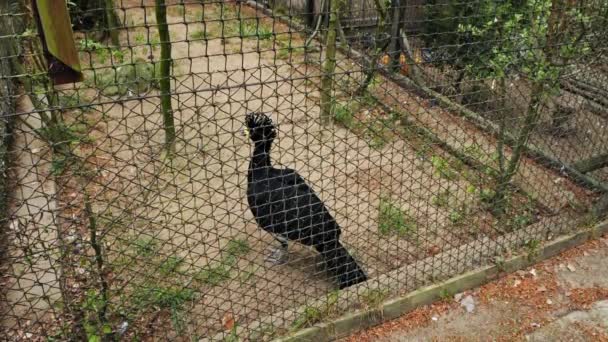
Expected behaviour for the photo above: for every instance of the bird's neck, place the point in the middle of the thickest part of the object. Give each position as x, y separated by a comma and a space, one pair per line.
261, 155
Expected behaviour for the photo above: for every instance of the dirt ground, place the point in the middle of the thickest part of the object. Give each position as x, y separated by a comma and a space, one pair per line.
564, 298
192, 209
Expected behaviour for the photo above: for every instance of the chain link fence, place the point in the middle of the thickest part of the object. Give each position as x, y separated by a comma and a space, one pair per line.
430, 138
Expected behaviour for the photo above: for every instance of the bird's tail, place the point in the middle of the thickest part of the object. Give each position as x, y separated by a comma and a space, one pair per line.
341, 264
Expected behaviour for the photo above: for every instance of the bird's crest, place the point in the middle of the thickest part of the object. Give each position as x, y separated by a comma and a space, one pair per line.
260, 127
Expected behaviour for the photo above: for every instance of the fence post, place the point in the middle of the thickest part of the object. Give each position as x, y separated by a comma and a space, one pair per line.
165, 75
8, 52
327, 81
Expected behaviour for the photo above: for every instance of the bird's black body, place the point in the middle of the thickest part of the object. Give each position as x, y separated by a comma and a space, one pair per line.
284, 205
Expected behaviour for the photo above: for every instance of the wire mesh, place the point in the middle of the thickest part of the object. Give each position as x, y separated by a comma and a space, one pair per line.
438, 136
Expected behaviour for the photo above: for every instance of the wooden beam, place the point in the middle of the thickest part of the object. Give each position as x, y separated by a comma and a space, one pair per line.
57, 39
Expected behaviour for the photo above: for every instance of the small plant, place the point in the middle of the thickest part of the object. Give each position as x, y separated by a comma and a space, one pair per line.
237, 247
250, 29
165, 298
343, 115
442, 199
102, 51
95, 325
140, 38
457, 216
500, 262
445, 295
171, 265
520, 221
213, 275
486, 195
219, 272
145, 247
393, 221
198, 35
374, 297
443, 168
471, 189
232, 336
309, 317
532, 248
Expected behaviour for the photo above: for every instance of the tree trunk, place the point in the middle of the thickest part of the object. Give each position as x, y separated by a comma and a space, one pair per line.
329, 67
112, 22
393, 48
530, 122
378, 50
165, 76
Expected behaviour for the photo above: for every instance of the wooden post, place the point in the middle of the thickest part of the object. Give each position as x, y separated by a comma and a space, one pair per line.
57, 41
165, 75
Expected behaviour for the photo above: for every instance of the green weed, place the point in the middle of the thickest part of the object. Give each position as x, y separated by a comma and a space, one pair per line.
442, 199
254, 29
393, 221
171, 265
443, 168
309, 317
532, 247
373, 298
165, 298
213, 275
145, 247
343, 115
457, 215
220, 271
198, 35
445, 295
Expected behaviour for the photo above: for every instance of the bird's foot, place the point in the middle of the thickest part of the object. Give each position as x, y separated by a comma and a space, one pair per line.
277, 256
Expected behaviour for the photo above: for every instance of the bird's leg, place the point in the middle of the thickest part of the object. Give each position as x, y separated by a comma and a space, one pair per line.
278, 255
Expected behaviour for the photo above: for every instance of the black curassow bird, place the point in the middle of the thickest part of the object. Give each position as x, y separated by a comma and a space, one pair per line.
285, 206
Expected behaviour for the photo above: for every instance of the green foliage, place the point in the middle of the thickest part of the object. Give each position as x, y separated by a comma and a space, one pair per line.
140, 38
146, 247
442, 199
220, 271
533, 247
520, 221
169, 298
135, 78
393, 221
445, 295
373, 298
456, 216
213, 275
254, 29
443, 168
237, 247
343, 115
95, 325
101, 51
309, 317
171, 265
198, 35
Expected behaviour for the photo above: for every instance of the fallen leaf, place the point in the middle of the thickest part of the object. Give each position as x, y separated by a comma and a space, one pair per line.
516, 283
533, 272
228, 321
